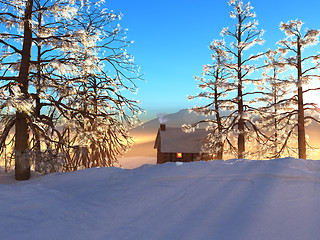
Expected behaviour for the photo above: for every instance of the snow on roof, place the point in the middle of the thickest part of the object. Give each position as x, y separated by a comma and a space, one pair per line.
175, 140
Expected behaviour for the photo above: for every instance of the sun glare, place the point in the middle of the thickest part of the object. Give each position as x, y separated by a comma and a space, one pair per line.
313, 97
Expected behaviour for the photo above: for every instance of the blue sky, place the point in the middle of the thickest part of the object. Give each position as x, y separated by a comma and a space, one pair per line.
171, 40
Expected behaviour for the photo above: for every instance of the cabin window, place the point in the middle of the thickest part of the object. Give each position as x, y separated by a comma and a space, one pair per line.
179, 155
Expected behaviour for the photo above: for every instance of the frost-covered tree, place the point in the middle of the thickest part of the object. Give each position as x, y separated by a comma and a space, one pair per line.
15, 76
273, 112
50, 38
215, 88
243, 36
305, 65
50, 53
99, 113
25, 28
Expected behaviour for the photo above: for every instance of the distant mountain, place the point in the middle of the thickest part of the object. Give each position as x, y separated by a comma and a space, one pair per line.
174, 120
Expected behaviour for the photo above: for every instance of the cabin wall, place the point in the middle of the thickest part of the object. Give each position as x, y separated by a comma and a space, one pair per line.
172, 157
163, 157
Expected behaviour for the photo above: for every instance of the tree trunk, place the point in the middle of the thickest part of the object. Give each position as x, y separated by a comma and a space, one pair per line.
241, 140
37, 146
219, 154
275, 113
22, 163
301, 128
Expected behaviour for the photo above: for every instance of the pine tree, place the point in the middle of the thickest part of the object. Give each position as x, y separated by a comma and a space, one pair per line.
21, 106
244, 35
95, 108
17, 14
305, 65
50, 39
51, 60
273, 113
215, 87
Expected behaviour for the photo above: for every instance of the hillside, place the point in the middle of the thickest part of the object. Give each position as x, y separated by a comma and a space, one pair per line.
234, 199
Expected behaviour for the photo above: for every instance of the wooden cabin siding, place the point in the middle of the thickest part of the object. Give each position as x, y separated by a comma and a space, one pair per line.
172, 157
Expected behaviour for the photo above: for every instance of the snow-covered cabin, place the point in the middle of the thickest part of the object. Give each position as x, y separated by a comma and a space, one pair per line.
174, 145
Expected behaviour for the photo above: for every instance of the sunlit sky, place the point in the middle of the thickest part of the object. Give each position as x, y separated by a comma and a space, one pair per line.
171, 39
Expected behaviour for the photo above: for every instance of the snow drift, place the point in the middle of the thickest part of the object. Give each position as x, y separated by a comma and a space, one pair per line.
234, 199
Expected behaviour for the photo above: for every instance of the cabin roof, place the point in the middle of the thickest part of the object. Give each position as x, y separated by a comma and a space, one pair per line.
175, 140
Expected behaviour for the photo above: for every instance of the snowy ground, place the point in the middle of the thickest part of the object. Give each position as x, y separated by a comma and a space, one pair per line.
8, 177
235, 199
